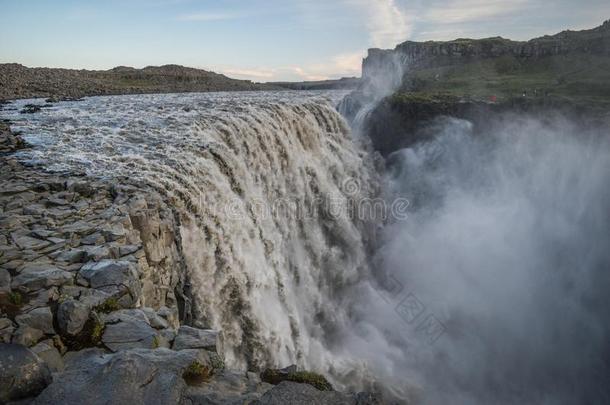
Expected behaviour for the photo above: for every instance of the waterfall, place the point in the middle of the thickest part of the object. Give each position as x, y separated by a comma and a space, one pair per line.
261, 183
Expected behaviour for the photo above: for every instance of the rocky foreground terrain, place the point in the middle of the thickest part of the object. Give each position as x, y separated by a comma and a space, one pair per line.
18, 81
94, 307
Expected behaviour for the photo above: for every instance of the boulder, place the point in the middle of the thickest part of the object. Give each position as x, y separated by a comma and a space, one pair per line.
49, 354
227, 387
36, 277
129, 334
135, 376
27, 336
38, 318
22, 373
293, 393
193, 338
118, 278
72, 316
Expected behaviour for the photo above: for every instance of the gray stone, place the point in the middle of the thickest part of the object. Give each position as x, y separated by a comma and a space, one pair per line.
59, 213
41, 233
41, 299
128, 249
27, 336
302, 394
128, 334
97, 253
114, 232
34, 278
27, 242
170, 315
226, 387
5, 280
49, 354
13, 265
93, 239
71, 317
38, 318
74, 360
127, 377
6, 330
116, 277
193, 338
80, 228
168, 335
155, 320
93, 298
22, 373
73, 256
126, 315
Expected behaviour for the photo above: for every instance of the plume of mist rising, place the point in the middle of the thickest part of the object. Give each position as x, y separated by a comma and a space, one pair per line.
507, 248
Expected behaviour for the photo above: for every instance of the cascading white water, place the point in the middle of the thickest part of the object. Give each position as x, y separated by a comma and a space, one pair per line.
258, 182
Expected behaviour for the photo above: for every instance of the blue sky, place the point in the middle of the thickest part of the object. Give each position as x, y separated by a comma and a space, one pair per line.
263, 40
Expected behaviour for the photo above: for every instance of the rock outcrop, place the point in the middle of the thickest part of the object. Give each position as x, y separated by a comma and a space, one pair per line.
18, 81
437, 53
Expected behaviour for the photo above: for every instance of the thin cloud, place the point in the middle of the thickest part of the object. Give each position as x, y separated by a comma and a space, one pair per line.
207, 17
341, 65
462, 11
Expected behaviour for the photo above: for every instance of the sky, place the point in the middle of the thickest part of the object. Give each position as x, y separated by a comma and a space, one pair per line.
264, 40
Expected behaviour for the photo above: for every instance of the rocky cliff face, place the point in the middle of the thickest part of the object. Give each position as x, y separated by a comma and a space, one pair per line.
435, 53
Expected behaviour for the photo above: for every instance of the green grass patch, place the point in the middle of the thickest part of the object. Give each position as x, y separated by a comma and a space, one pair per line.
108, 306
197, 373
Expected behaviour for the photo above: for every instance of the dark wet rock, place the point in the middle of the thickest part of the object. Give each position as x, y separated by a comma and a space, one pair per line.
194, 338
302, 394
290, 373
37, 277
136, 376
30, 109
22, 373
72, 316
37, 318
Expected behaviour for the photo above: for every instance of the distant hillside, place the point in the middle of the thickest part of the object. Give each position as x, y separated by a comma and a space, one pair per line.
572, 64
18, 81
346, 83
